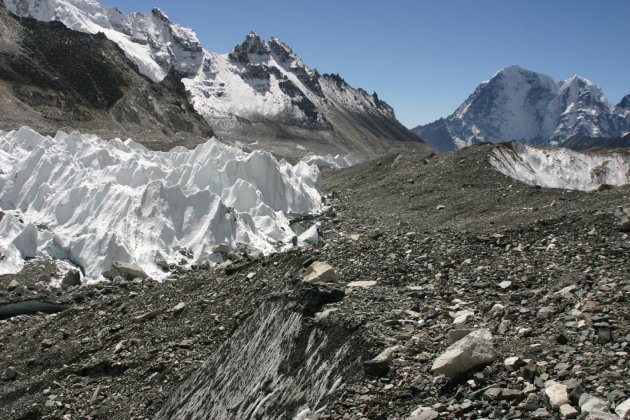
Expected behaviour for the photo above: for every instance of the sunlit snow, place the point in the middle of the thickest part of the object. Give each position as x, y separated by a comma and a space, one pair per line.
89, 201
561, 168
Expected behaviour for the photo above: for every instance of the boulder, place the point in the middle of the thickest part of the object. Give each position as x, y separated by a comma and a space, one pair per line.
473, 350
556, 394
320, 272
13, 285
128, 270
221, 249
70, 279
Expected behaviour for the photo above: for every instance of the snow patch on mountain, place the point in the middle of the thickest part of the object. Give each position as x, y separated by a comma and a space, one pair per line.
561, 168
150, 40
90, 201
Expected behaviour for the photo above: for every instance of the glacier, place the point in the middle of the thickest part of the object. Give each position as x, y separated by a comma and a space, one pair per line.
79, 198
330, 161
561, 168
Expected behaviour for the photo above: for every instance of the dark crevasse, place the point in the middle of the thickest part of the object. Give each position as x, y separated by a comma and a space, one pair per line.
277, 365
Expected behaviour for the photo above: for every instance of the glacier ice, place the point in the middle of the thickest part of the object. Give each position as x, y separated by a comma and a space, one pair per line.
89, 201
330, 161
561, 168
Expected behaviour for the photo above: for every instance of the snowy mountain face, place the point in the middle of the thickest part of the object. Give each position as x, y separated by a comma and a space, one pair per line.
518, 104
260, 93
53, 77
81, 199
150, 40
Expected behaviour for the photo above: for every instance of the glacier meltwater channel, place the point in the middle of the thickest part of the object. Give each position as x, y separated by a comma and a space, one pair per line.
89, 201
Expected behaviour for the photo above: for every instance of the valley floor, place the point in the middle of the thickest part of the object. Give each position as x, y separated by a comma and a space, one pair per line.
451, 244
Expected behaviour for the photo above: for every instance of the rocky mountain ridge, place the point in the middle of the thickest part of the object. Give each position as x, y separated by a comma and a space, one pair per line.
519, 104
260, 94
53, 78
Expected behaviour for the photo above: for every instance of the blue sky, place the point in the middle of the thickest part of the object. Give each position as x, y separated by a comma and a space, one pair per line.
424, 57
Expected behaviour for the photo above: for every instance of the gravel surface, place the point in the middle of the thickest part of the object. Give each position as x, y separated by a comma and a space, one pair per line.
433, 254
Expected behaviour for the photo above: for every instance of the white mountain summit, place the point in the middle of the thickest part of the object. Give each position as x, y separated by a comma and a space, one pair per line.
519, 104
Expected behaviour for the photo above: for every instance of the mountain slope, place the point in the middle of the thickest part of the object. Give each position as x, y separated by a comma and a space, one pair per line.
530, 107
52, 77
260, 93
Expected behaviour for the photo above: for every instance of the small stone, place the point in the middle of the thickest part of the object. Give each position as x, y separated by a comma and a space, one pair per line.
513, 363
540, 413
379, 365
440, 207
505, 284
147, 316
9, 374
545, 312
511, 394
492, 394
185, 344
562, 338
47, 343
178, 308
13, 285
567, 411
424, 413
375, 234
365, 284
462, 317
557, 394
355, 237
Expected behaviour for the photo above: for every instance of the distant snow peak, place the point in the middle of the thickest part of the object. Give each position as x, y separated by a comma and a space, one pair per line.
519, 104
561, 168
89, 201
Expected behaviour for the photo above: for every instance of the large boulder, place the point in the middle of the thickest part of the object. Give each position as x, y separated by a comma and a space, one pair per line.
473, 350
320, 272
128, 270
72, 278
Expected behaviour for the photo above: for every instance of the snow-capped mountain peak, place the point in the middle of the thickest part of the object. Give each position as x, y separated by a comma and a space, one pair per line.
520, 104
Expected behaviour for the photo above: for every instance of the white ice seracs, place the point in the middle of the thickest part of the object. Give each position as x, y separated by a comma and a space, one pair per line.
80, 198
561, 168
330, 161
